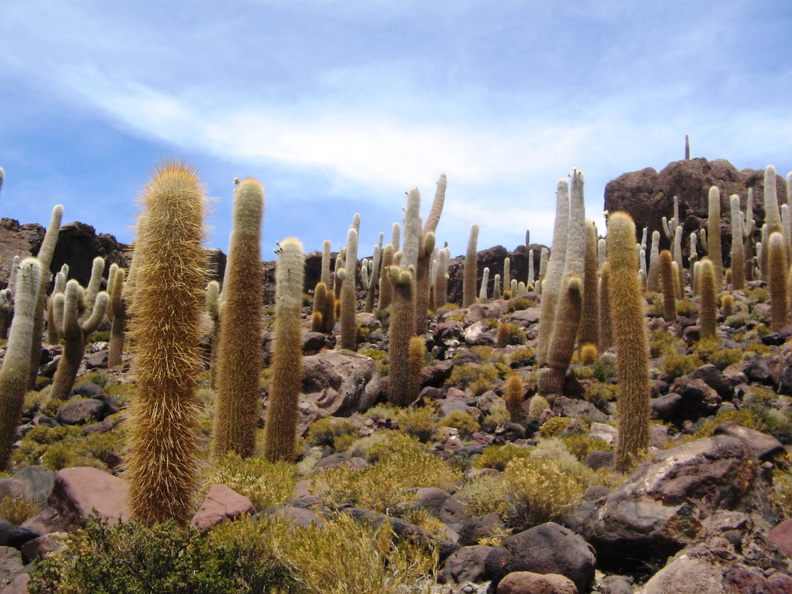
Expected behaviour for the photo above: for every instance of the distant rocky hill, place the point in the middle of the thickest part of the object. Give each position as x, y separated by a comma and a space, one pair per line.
646, 194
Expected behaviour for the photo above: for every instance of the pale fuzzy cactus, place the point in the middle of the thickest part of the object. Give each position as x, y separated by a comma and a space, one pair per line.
677, 254
426, 244
644, 237
483, 296
12, 275
44, 256
777, 270
348, 293
373, 280
325, 270
544, 257
213, 307
506, 273
601, 252
514, 289
772, 213
531, 269
528, 235
280, 435
551, 281
441, 282
714, 234
692, 249
708, 300
605, 322
15, 370
642, 261
668, 280
496, 287
60, 287
396, 237
6, 312
687, 147
401, 330
653, 275
470, 270
568, 309
737, 248
386, 289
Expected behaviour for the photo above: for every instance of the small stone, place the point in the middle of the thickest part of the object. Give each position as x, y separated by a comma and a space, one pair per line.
221, 502
527, 582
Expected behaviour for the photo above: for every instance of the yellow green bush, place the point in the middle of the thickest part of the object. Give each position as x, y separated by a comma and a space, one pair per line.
462, 421
499, 456
554, 426
265, 483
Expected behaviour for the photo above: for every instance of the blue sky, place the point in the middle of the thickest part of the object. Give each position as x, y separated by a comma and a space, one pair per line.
339, 107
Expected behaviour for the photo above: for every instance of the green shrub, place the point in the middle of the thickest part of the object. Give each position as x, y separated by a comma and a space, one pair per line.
168, 559
722, 358
737, 320
419, 422
581, 445
554, 426
522, 356
18, 509
519, 303
498, 413
509, 333
482, 495
537, 490
600, 394
685, 307
462, 421
265, 483
675, 365
498, 457
479, 378
324, 431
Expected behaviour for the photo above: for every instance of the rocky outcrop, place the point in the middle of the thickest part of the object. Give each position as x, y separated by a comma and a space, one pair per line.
648, 195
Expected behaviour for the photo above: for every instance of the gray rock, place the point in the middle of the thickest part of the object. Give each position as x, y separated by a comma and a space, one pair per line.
465, 565
87, 390
10, 563
581, 409
79, 411
528, 582
442, 505
764, 447
39, 482
340, 383
547, 548
476, 529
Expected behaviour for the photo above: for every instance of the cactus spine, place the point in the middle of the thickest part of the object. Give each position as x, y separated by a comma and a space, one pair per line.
399, 334
15, 370
239, 358
708, 300
714, 234
280, 434
326, 254
169, 296
630, 338
44, 256
513, 395
777, 269
470, 271
348, 293
213, 307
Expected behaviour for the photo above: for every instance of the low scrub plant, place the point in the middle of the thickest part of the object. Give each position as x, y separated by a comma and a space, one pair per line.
265, 483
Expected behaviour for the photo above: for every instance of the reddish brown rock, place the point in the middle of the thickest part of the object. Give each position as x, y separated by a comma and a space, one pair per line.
527, 582
80, 491
220, 503
781, 536
19, 585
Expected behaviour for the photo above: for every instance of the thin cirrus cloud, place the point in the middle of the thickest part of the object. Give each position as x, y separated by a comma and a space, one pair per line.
358, 103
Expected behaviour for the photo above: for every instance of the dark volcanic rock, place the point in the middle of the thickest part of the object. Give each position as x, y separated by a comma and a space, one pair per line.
648, 195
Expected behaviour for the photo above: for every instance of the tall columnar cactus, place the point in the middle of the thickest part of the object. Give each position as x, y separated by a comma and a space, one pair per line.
749, 226
667, 280
496, 288
470, 270
319, 307
426, 246
714, 234
554, 271
2, 178
777, 270
374, 275
708, 299
44, 256
513, 395
677, 254
280, 435
401, 330
416, 359
605, 322
568, 310
213, 307
531, 270
483, 295
631, 341
386, 289
165, 326
60, 287
589, 318
544, 258
441, 278
507, 272
76, 318
772, 214
117, 312
14, 372
6, 312
348, 293
239, 359
737, 248
326, 255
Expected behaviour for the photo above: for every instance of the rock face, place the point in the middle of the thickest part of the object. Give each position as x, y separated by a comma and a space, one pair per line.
648, 195
340, 382
661, 507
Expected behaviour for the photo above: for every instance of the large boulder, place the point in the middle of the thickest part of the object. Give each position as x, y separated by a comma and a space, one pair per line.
340, 383
547, 548
81, 491
660, 507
